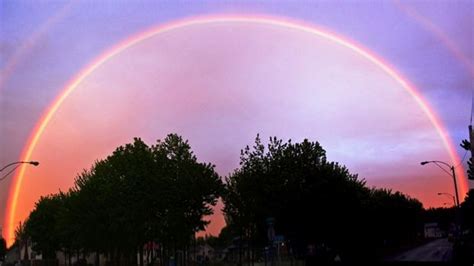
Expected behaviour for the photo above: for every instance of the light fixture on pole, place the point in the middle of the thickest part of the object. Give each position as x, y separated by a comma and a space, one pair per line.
449, 195
452, 174
35, 163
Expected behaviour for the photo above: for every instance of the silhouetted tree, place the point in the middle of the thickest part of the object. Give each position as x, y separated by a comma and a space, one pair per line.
467, 208
21, 237
188, 189
42, 226
3, 248
313, 202
136, 195
465, 144
445, 217
392, 219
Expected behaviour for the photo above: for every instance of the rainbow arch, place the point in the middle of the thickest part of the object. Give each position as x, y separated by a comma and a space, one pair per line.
275, 21
429, 26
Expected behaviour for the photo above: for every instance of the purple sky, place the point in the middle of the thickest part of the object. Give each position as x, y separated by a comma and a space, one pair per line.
43, 45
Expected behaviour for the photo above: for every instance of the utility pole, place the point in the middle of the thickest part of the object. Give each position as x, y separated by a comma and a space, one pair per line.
470, 163
455, 186
471, 140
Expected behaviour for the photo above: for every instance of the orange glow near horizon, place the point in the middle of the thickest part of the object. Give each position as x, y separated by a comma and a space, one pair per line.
11, 213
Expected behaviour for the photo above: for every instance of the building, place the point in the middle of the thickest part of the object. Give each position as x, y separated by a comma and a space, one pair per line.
432, 230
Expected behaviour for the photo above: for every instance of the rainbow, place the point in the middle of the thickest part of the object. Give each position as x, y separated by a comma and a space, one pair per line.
43, 122
429, 26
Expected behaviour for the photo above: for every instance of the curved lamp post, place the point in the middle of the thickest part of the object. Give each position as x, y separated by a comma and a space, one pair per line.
453, 174
449, 195
35, 163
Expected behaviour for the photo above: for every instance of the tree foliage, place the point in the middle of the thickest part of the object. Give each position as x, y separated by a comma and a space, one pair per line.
3, 248
162, 193
467, 208
313, 201
136, 195
465, 144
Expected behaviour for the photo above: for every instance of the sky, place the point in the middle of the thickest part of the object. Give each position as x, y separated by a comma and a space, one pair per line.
222, 82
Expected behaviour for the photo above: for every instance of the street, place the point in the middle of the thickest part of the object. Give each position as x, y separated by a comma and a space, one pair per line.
439, 250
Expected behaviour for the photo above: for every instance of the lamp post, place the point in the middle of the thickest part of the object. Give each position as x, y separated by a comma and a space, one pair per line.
35, 163
449, 195
453, 174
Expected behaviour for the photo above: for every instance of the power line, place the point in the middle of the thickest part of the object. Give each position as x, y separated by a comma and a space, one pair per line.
11, 171
462, 160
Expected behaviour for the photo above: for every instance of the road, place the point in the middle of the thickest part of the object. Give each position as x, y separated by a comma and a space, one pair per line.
439, 250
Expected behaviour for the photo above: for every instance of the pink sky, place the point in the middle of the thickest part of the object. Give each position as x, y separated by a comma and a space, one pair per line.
220, 84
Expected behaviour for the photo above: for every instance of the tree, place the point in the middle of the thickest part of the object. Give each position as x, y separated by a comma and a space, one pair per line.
467, 208
189, 190
312, 201
445, 217
463, 249
223, 240
21, 237
3, 248
392, 218
285, 183
137, 195
42, 226
465, 144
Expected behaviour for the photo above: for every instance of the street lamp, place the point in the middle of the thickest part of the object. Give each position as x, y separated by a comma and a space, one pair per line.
35, 163
449, 195
453, 174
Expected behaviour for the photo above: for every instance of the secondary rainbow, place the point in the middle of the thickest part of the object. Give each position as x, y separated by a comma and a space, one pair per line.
282, 22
